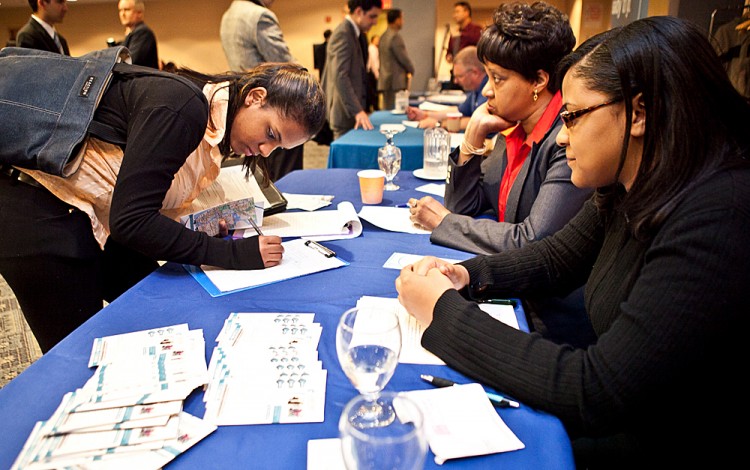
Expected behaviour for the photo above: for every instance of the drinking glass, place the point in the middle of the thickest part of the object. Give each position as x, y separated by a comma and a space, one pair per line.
368, 343
389, 160
401, 444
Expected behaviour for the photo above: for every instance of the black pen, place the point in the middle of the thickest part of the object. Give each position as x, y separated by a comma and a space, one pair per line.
510, 302
497, 400
255, 226
327, 252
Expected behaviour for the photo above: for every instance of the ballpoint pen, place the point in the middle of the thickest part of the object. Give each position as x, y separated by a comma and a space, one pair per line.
255, 226
497, 400
510, 302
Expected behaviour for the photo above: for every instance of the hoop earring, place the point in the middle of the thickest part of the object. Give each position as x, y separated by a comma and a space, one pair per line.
536, 95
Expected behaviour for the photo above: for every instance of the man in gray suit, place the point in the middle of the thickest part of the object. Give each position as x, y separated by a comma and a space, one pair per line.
396, 68
39, 32
345, 77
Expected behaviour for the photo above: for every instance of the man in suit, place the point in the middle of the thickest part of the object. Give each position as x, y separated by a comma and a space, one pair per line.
396, 68
345, 77
319, 53
251, 35
139, 39
39, 32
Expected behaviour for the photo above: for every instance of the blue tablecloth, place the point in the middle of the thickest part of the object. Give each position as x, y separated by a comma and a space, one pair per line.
359, 148
171, 296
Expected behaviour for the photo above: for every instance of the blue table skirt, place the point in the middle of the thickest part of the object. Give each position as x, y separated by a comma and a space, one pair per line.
171, 296
359, 148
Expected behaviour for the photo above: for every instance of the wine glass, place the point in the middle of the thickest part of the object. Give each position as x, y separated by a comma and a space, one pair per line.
389, 156
402, 444
389, 160
368, 343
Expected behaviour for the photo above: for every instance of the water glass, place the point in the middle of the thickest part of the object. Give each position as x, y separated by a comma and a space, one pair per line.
399, 445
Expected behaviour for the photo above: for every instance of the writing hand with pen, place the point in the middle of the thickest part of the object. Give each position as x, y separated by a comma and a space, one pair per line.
271, 250
421, 284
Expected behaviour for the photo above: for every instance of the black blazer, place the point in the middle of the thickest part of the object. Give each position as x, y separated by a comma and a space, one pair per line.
34, 36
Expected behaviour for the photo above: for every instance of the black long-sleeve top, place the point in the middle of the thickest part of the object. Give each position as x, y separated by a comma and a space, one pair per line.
671, 318
165, 120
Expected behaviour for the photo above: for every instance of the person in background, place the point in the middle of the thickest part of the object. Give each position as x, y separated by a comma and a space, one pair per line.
251, 35
522, 191
39, 32
468, 33
373, 72
345, 78
469, 74
663, 249
396, 68
96, 233
139, 38
319, 53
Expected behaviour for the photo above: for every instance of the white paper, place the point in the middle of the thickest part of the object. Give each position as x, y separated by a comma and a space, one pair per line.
502, 313
393, 219
320, 225
456, 139
460, 421
433, 188
308, 202
325, 454
412, 351
401, 260
414, 124
298, 260
230, 185
430, 106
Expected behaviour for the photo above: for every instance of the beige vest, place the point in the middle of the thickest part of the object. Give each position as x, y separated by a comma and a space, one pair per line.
90, 188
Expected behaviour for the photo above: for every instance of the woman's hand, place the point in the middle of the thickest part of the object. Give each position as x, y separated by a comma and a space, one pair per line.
271, 250
427, 212
482, 123
415, 114
421, 284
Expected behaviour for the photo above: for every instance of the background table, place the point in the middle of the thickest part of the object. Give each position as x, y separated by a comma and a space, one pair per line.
359, 148
171, 296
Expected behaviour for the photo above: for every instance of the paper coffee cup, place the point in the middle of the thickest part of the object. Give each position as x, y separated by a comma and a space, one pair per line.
371, 184
453, 122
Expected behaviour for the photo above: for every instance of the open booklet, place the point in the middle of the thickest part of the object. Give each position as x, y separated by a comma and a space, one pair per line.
318, 225
301, 257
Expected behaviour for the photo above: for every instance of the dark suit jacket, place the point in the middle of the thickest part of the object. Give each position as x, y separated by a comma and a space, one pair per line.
34, 36
395, 63
141, 42
345, 77
319, 57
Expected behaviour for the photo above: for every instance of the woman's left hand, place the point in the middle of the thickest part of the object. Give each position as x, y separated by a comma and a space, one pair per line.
419, 293
427, 212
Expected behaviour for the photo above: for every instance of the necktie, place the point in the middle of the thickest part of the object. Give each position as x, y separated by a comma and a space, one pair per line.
59, 44
363, 46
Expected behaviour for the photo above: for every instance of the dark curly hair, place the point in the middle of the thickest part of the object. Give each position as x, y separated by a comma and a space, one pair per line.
527, 38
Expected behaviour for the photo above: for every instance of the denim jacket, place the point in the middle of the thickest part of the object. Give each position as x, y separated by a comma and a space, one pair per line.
47, 102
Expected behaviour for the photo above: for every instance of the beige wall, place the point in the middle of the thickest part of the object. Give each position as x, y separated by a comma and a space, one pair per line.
188, 30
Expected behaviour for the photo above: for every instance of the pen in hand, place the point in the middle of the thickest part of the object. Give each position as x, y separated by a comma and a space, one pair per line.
255, 226
497, 400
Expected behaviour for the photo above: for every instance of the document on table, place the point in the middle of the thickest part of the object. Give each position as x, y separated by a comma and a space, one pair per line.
460, 421
432, 188
300, 259
307, 202
401, 260
393, 219
319, 225
412, 351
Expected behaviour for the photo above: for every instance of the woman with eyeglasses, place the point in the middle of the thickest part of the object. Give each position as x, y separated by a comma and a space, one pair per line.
654, 125
521, 192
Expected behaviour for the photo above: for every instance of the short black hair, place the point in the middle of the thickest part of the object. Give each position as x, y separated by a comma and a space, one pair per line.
393, 14
463, 4
365, 5
34, 5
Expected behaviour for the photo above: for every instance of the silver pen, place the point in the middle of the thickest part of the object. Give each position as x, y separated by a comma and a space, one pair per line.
255, 226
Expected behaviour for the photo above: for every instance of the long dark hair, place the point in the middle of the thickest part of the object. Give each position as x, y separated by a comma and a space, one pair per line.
696, 122
527, 38
291, 90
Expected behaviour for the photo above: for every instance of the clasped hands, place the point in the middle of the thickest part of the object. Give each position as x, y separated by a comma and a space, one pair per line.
421, 284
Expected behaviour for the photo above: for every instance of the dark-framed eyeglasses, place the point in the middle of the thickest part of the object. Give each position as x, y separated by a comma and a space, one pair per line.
569, 117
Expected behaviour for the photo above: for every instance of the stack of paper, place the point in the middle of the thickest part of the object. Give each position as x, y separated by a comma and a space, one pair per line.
336, 224
265, 369
129, 414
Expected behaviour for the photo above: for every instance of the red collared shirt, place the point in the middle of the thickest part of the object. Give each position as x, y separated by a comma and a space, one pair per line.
518, 146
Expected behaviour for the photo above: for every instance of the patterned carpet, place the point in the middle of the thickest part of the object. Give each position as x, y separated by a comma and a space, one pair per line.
19, 349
